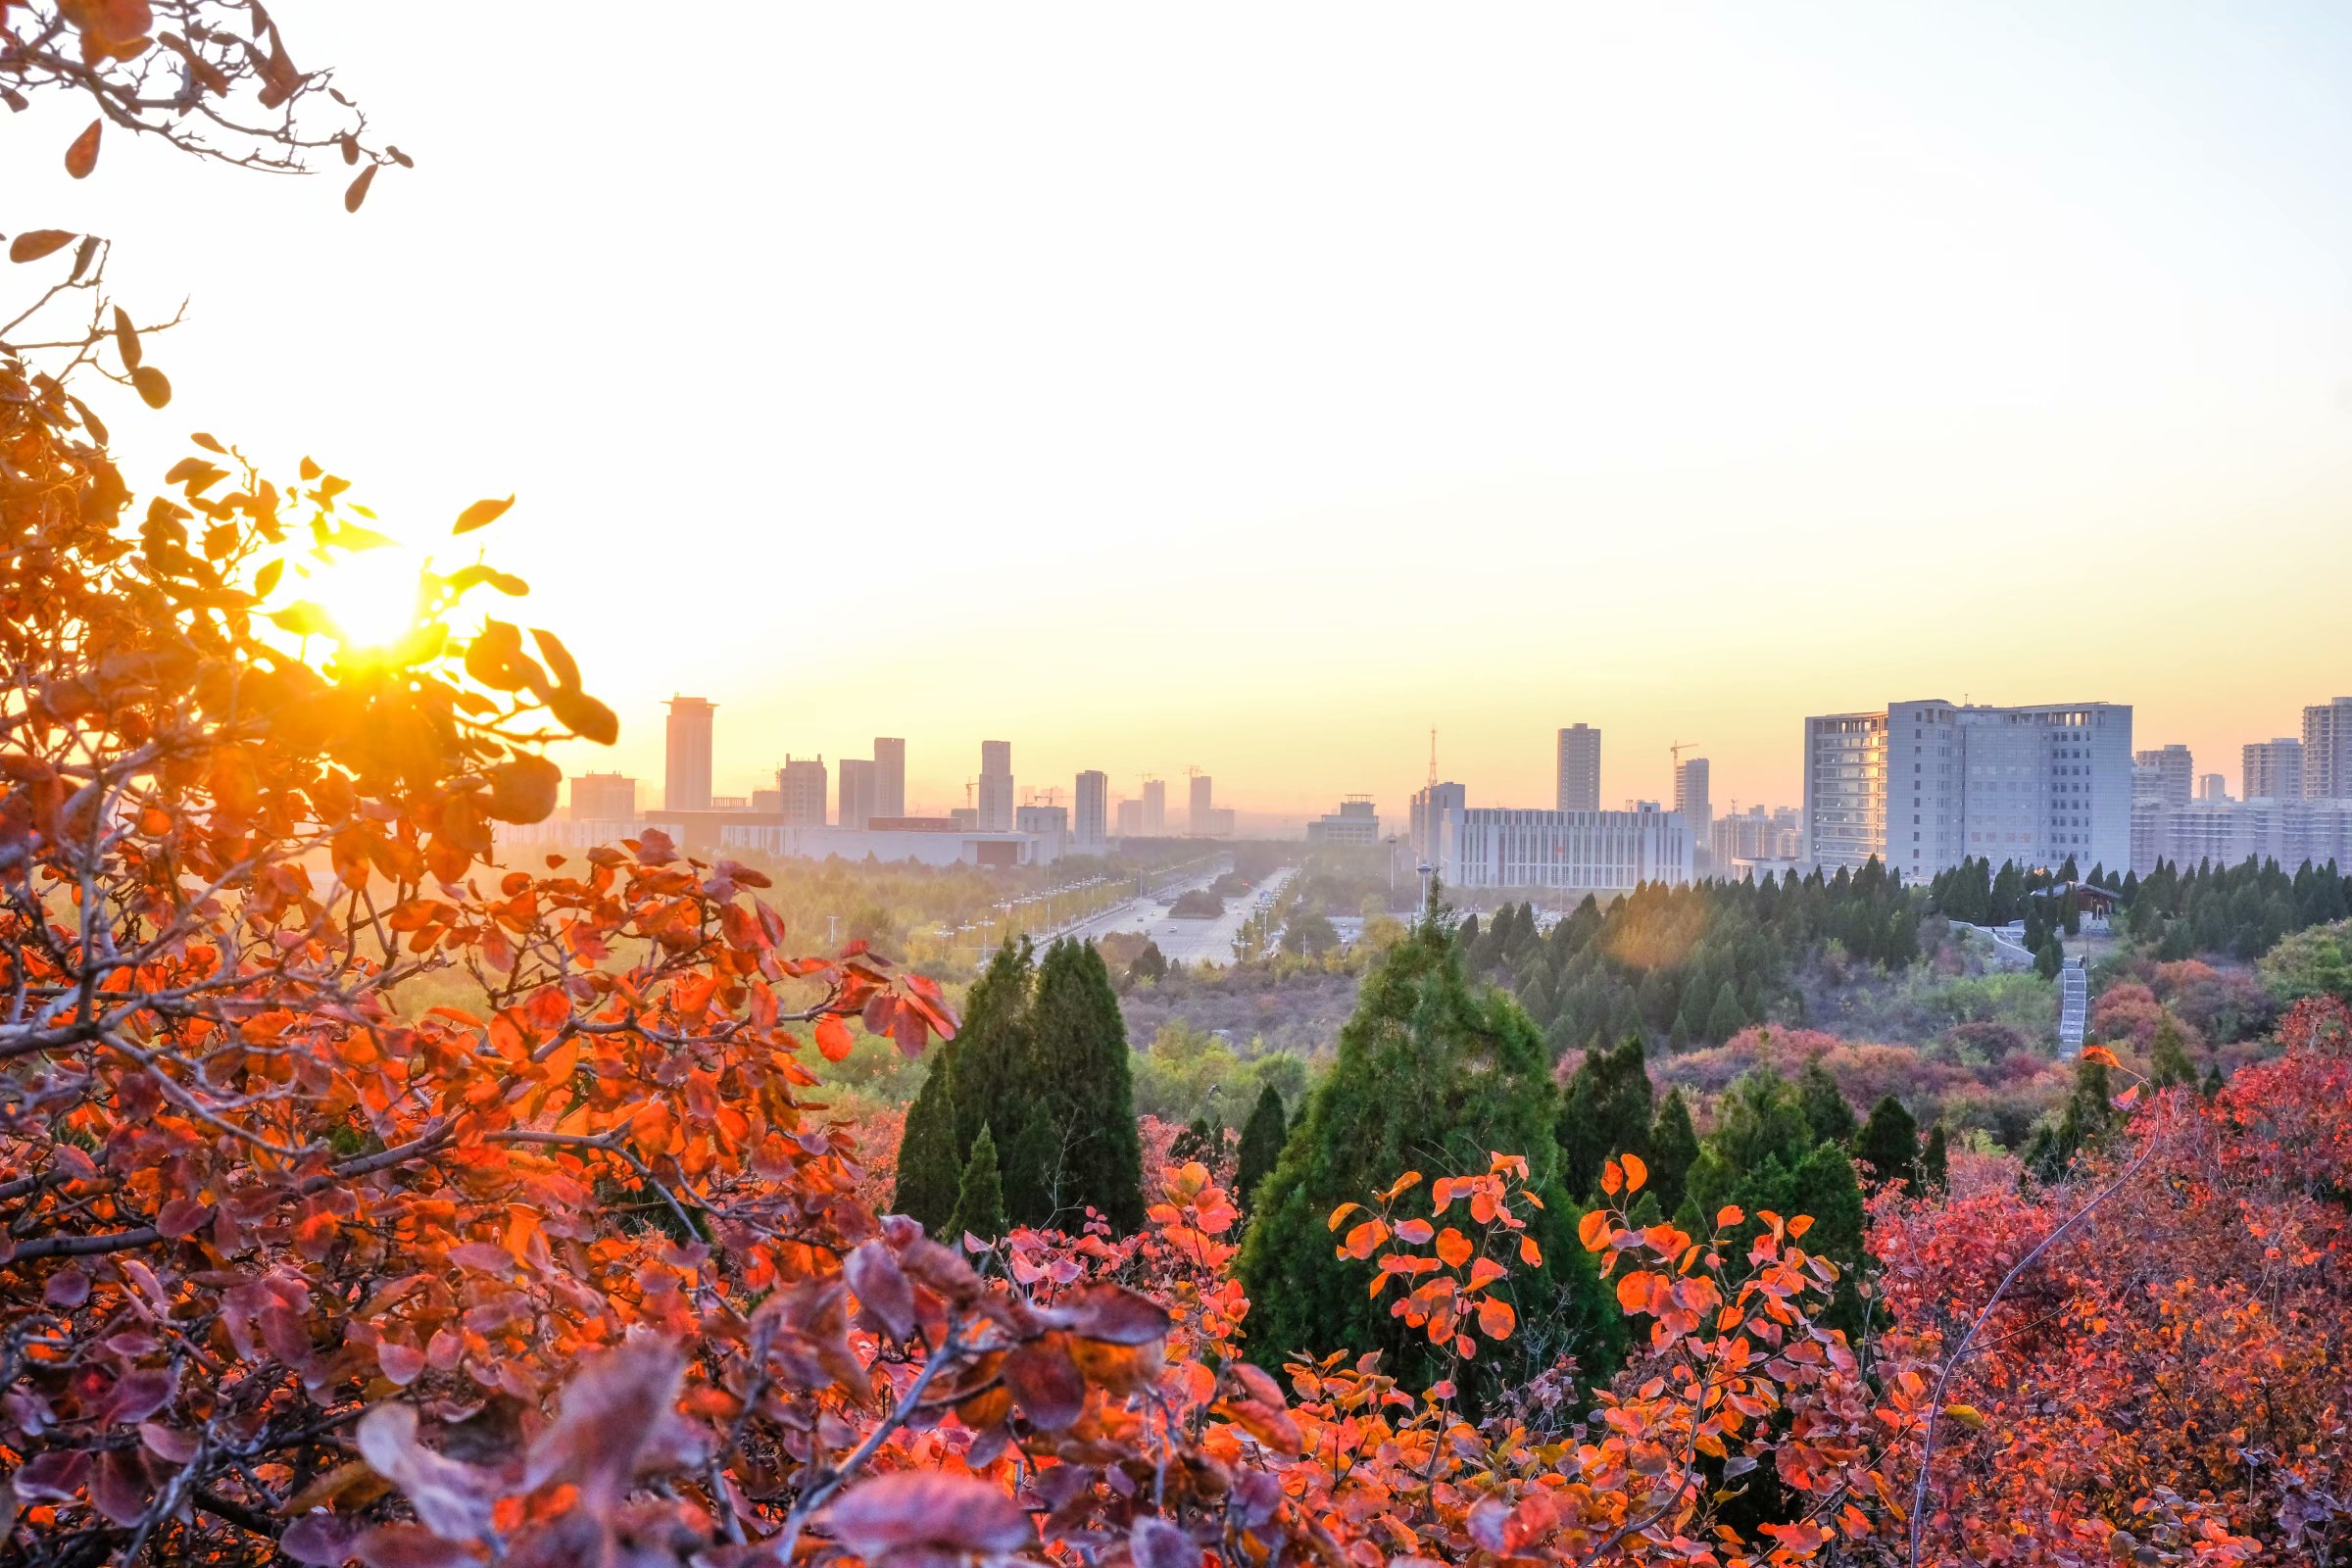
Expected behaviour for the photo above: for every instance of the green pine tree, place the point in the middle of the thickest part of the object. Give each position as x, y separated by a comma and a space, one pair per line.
2213, 1081
980, 1194
2167, 1055
1934, 1165
1673, 1149
1087, 1153
1431, 1075
1725, 1017
1606, 1111
1262, 1137
929, 1168
1888, 1144
1826, 1115
992, 1084
2084, 1122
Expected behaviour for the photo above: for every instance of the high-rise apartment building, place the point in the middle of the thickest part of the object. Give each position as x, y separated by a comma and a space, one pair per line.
890, 776
603, 798
2327, 751
2212, 787
1090, 832
996, 786
1131, 820
1923, 785
1691, 800
2271, 770
686, 755
1049, 826
1430, 805
1156, 808
1198, 823
800, 791
1579, 768
859, 780
2171, 777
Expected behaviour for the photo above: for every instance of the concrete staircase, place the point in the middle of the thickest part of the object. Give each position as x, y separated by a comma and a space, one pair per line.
2074, 1009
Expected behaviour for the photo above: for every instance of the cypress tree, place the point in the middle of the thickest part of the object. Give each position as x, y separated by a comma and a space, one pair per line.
1888, 1145
1606, 1111
1934, 1168
1431, 1075
1828, 1115
1085, 1152
2084, 1122
991, 1083
928, 1167
1673, 1149
1727, 1018
1262, 1137
980, 1194
2213, 1081
2169, 1062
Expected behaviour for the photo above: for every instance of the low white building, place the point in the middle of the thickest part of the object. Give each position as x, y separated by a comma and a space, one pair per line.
1502, 847
925, 845
2231, 832
1049, 825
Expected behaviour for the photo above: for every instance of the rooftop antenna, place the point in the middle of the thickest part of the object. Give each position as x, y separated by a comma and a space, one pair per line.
1433, 761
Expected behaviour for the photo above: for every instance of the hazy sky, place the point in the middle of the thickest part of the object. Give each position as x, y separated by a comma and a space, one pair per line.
1255, 386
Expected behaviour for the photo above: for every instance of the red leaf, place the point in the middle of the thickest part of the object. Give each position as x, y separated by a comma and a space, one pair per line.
833, 1038
928, 1508
1046, 1383
1158, 1543
82, 156
882, 1287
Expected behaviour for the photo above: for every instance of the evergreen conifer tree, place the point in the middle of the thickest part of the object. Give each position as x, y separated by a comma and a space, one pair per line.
1727, 1018
1606, 1111
1431, 1074
979, 1194
1826, 1115
1262, 1137
1081, 1149
929, 1169
1672, 1149
2167, 1055
2085, 1121
1888, 1145
1934, 1165
991, 1084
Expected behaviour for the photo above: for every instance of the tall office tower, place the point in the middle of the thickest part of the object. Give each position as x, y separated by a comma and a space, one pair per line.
1690, 800
996, 786
2212, 787
1197, 824
890, 776
858, 780
2273, 771
801, 784
1579, 768
1924, 785
1131, 820
2173, 772
686, 755
603, 798
2327, 751
1090, 831
1426, 822
1156, 808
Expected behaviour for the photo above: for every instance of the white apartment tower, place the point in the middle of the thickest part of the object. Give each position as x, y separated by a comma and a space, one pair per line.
1690, 800
1156, 808
890, 776
2170, 775
1924, 785
996, 787
1579, 768
2327, 751
801, 784
858, 778
1092, 830
2272, 769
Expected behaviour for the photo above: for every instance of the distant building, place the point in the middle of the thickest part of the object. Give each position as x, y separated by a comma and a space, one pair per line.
2327, 751
1562, 850
1219, 822
2228, 832
1196, 820
603, 798
2273, 771
1354, 822
769, 802
1089, 831
1579, 768
1155, 809
686, 755
1430, 805
925, 840
1131, 820
801, 781
1757, 836
2212, 787
1691, 800
890, 776
1923, 785
967, 818
1049, 826
996, 786
2174, 771
859, 796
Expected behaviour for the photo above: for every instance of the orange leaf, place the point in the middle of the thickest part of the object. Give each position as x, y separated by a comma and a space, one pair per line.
1339, 1213
1728, 1216
833, 1038
82, 156
1364, 1238
1612, 1178
1454, 1247
1415, 1232
1592, 1230
1633, 1292
1495, 1319
1484, 1272
1532, 1256
2100, 1054
1635, 1173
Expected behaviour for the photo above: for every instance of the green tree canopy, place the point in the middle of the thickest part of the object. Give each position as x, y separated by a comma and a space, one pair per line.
1888, 1145
980, 1193
1262, 1137
1606, 1111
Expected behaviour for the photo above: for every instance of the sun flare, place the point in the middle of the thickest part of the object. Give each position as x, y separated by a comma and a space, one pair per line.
371, 596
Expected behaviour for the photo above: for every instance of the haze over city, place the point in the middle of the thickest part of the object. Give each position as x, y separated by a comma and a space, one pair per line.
1067, 375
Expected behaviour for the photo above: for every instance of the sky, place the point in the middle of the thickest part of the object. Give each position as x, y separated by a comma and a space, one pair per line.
1257, 387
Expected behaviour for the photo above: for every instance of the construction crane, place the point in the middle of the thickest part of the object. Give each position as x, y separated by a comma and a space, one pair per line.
1051, 794
1679, 748
969, 785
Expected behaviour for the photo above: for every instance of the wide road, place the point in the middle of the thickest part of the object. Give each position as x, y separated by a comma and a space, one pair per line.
1187, 942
